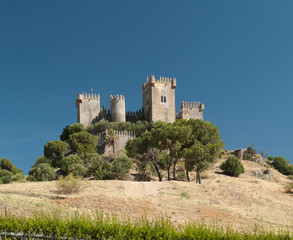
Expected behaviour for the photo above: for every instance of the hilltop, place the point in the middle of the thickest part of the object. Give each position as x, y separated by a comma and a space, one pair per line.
245, 201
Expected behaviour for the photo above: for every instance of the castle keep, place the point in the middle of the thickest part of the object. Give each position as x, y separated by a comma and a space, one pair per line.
158, 103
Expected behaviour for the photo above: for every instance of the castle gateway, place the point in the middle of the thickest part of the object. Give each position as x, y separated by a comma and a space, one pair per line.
158, 104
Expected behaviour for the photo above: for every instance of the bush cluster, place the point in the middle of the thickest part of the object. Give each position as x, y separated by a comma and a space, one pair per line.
282, 165
232, 166
9, 173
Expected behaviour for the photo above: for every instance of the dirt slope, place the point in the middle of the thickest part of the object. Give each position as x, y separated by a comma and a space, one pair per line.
242, 202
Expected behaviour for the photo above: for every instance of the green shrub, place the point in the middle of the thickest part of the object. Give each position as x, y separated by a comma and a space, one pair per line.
282, 165
70, 129
100, 169
271, 158
43, 159
249, 153
42, 172
289, 188
72, 164
55, 149
6, 164
19, 177
6, 176
121, 166
69, 184
232, 166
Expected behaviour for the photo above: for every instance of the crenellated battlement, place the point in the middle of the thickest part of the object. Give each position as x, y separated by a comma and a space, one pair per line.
134, 116
88, 96
192, 105
192, 110
152, 80
116, 98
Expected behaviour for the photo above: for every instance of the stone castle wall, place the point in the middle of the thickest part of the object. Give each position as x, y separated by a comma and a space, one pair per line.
192, 110
120, 143
159, 99
158, 105
88, 107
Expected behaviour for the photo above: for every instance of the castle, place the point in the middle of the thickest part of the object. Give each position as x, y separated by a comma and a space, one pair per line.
158, 104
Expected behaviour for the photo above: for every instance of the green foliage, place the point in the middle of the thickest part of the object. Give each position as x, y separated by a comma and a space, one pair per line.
6, 176
6, 164
72, 164
42, 172
9, 172
111, 138
70, 129
100, 169
69, 184
282, 165
105, 227
43, 159
138, 127
289, 188
249, 153
271, 158
232, 166
145, 170
121, 166
83, 142
55, 149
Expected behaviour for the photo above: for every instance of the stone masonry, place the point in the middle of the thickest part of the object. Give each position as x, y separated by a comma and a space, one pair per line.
158, 104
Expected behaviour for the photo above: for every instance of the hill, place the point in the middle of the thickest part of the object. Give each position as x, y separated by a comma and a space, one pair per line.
245, 202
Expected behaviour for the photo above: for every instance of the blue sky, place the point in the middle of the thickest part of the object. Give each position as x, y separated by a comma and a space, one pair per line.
234, 56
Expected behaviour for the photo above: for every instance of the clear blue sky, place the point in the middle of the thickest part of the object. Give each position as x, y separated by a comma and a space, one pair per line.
234, 56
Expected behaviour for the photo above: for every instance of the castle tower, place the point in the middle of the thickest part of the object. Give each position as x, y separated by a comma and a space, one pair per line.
117, 105
159, 99
191, 110
88, 108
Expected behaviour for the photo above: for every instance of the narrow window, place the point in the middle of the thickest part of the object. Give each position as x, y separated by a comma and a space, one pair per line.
164, 99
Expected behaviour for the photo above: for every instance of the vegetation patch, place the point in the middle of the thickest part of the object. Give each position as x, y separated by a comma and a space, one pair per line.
106, 227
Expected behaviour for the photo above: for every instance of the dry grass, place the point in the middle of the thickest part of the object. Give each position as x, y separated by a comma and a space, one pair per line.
239, 202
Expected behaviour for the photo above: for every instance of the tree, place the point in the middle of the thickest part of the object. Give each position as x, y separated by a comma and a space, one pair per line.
282, 165
70, 129
232, 166
83, 142
6, 164
42, 172
43, 159
72, 164
6, 176
201, 157
55, 149
143, 149
111, 138
204, 147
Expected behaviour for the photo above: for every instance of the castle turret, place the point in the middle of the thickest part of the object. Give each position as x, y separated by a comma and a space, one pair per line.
117, 104
192, 110
88, 107
159, 99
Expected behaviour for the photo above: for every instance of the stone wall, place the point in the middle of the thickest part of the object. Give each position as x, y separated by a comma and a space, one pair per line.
88, 108
192, 110
159, 99
120, 143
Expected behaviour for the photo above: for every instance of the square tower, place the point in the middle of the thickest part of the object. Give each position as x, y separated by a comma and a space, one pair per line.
159, 99
88, 108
